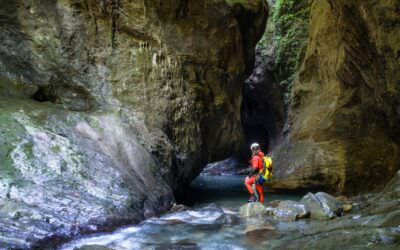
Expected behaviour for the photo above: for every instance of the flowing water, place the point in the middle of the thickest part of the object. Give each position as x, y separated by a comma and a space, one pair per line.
212, 222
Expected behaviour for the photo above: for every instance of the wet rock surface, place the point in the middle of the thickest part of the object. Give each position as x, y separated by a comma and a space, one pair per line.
258, 232
253, 209
322, 206
290, 211
229, 166
208, 216
60, 178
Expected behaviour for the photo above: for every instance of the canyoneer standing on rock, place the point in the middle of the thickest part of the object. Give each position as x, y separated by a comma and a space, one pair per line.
251, 181
260, 172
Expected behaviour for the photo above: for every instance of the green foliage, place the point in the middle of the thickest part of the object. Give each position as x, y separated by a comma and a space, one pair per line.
287, 36
291, 19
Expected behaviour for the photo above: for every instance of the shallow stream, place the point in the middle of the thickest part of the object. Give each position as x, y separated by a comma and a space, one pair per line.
212, 222
228, 192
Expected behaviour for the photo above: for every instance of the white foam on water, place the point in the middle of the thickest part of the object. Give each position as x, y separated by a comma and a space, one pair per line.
118, 236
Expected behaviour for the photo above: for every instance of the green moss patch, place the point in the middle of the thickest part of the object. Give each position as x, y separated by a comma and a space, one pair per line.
287, 36
10, 134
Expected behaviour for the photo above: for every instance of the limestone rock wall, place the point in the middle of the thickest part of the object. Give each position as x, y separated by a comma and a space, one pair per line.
343, 125
110, 106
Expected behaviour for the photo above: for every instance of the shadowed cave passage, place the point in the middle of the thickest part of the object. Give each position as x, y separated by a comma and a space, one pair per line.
262, 116
45, 94
263, 108
257, 133
75, 98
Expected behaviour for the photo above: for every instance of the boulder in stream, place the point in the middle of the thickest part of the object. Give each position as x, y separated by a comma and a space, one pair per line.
347, 208
259, 231
253, 209
178, 208
210, 216
290, 211
322, 206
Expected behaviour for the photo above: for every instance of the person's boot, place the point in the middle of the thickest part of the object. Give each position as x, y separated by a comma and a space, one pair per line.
252, 198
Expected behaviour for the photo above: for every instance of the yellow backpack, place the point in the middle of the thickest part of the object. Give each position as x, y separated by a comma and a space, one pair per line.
266, 172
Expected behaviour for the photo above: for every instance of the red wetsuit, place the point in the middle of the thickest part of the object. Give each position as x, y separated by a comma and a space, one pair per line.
256, 163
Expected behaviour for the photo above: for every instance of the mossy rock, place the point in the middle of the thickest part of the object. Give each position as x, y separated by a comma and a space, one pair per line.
286, 38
